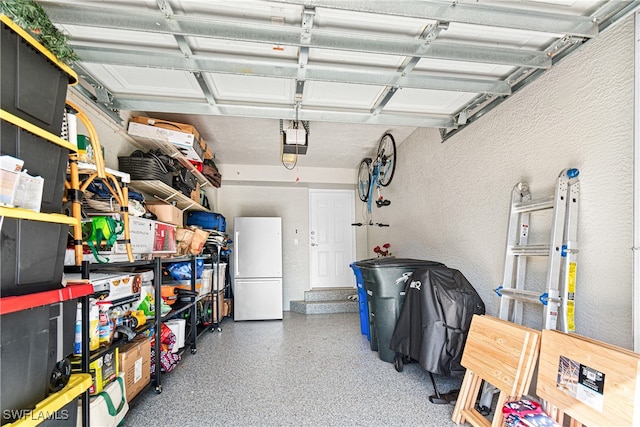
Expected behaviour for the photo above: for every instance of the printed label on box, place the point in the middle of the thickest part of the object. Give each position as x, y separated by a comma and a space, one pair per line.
137, 370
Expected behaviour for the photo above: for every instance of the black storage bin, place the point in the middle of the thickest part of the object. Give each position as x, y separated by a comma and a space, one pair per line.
24, 351
32, 258
62, 321
33, 341
41, 158
33, 87
384, 281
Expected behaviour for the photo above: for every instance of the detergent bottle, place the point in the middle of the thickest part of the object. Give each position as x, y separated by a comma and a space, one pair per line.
105, 324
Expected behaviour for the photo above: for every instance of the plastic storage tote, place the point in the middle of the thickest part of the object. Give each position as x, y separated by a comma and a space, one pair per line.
34, 82
362, 301
384, 282
36, 331
41, 158
32, 256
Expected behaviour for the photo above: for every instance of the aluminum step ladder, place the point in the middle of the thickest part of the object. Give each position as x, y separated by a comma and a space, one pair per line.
559, 297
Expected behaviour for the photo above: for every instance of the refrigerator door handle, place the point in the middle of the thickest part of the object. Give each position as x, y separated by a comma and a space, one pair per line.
236, 242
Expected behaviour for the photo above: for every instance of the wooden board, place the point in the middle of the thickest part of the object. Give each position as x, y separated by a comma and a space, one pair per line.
594, 383
502, 353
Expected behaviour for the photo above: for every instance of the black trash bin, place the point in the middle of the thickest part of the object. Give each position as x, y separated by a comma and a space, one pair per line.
384, 281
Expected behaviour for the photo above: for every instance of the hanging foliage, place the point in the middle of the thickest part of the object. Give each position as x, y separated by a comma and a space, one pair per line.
32, 17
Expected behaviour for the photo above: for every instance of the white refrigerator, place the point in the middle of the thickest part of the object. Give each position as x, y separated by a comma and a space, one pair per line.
257, 268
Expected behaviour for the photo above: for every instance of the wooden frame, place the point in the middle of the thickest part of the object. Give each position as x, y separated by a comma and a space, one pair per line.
501, 353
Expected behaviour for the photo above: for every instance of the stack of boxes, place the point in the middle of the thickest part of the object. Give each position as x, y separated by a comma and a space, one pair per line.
37, 317
185, 137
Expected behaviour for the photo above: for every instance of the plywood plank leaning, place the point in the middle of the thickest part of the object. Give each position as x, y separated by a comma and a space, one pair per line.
592, 382
502, 353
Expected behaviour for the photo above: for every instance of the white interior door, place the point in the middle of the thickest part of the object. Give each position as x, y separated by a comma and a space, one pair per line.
332, 238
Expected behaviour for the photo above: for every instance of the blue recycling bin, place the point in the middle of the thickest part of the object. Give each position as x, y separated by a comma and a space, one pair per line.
362, 301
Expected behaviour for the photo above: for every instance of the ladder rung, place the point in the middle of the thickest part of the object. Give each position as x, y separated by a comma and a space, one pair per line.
521, 295
529, 250
533, 205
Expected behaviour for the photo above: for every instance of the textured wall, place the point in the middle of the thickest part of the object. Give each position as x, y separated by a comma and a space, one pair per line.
290, 203
450, 200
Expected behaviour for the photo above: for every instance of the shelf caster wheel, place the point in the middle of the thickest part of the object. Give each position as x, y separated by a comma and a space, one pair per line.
193, 351
159, 389
398, 363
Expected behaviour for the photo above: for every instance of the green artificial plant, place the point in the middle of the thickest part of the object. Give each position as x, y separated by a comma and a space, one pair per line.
32, 17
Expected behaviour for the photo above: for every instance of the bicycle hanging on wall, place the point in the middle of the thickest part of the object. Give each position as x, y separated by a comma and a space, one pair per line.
375, 174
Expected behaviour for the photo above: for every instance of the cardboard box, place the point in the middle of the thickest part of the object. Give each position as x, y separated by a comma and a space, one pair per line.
135, 366
186, 143
203, 145
208, 154
166, 124
148, 237
119, 285
195, 194
141, 233
166, 212
164, 238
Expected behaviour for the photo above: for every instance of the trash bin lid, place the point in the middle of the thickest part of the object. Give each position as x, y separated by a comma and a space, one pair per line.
392, 262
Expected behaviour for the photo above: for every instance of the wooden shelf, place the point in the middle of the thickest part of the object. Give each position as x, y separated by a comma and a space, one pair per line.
170, 150
160, 190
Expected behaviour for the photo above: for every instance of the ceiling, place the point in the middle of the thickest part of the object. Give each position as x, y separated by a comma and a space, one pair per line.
352, 68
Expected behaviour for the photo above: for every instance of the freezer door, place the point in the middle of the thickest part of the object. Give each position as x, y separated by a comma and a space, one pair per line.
257, 247
257, 299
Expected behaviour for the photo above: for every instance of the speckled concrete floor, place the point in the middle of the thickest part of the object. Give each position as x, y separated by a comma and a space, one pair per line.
306, 370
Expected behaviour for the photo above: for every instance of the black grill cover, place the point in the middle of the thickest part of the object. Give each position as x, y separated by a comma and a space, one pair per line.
434, 321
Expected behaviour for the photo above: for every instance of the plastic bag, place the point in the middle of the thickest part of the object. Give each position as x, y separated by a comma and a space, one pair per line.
182, 270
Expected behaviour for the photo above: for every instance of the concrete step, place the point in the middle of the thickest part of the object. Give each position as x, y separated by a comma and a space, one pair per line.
329, 294
324, 307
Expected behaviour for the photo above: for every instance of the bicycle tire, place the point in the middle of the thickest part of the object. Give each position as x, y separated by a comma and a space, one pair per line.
387, 158
364, 179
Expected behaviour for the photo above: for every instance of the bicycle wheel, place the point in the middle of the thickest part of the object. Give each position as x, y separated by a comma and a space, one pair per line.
387, 158
364, 179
